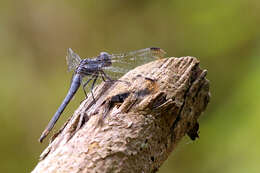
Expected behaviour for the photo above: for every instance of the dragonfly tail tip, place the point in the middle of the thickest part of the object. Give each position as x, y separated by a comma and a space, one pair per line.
44, 134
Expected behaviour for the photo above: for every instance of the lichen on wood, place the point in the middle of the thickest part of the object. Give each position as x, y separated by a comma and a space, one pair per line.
135, 123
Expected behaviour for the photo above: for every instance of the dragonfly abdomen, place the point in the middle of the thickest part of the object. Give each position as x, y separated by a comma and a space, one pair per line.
73, 89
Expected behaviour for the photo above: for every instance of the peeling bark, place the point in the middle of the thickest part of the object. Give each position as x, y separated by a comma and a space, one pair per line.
135, 123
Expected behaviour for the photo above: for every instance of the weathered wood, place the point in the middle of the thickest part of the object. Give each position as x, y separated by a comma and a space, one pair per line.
135, 123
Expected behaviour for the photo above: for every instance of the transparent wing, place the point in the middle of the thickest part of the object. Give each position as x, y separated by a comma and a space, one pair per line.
115, 72
73, 59
147, 53
123, 62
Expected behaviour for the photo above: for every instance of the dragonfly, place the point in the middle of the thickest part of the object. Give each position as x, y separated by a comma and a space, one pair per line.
95, 67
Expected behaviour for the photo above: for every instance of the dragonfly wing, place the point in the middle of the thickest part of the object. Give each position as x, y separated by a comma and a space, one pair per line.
115, 72
73, 60
146, 54
123, 62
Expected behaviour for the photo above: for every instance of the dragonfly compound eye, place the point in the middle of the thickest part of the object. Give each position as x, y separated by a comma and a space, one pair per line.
104, 55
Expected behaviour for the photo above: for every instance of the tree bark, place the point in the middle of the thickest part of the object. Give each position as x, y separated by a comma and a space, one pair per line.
135, 123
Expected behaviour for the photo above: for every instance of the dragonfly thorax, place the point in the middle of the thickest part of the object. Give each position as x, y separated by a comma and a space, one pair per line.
90, 66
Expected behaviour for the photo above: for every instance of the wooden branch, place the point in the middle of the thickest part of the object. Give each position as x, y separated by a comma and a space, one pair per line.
135, 123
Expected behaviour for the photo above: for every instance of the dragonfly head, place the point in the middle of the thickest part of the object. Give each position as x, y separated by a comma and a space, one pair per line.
105, 58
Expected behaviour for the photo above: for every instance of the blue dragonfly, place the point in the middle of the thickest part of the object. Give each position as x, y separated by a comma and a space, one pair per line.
92, 68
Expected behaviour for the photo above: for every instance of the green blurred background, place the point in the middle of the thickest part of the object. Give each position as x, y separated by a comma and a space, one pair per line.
224, 35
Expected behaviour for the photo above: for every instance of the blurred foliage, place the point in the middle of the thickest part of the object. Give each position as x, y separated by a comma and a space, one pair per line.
224, 35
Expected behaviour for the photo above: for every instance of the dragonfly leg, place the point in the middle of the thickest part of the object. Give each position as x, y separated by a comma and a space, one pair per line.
104, 75
92, 86
84, 85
